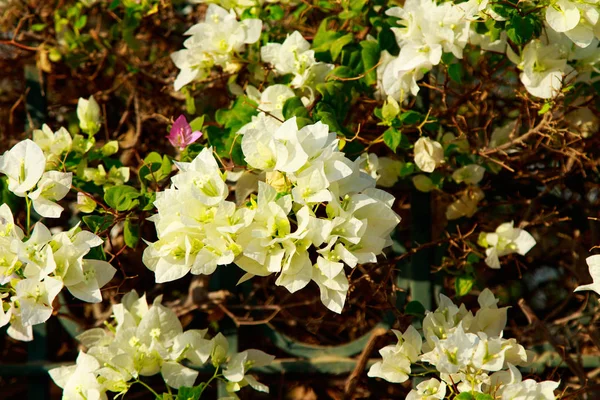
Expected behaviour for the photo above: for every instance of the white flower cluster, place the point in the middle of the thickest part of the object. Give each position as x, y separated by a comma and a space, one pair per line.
295, 57
428, 30
146, 340
214, 42
24, 165
568, 46
33, 272
468, 351
240, 5
506, 240
56, 146
313, 197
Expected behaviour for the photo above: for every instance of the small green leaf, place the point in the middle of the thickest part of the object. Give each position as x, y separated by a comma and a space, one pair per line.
338, 45
391, 138
275, 12
131, 233
520, 29
465, 396
387, 41
80, 23
38, 27
293, 107
407, 169
122, 198
411, 117
190, 393
456, 72
463, 284
197, 123
342, 72
545, 108
370, 55
415, 308
98, 223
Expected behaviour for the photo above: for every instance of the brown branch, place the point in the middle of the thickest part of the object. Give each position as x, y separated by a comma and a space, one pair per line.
539, 325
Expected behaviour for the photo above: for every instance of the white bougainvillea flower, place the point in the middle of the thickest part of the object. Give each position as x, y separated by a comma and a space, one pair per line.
203, 177
272, 99
53, 143
96, 274
431, 389
543, 69
506, 240
593, 263
466, 204
562, 15
147, 340
213, 42
238, 366
79, 381
35, 299
294, 56
429, 154
471, 174
53, 186
24, 165
88, 112
397, 359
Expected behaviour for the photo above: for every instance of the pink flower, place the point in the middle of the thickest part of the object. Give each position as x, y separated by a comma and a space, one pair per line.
181, 134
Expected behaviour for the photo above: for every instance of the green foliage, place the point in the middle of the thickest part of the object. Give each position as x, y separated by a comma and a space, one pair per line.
415, 308
122, 198
463, 284
131, 233
98, 223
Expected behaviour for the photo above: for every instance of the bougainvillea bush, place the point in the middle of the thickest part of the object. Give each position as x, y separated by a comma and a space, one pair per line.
175, 171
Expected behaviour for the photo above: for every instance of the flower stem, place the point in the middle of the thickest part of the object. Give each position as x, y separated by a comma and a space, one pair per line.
28, 203
150, 389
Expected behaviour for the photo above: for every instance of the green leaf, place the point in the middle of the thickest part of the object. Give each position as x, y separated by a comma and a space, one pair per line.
465, 396
546, 107
370, 55
190, 393
332, 41
329, 119
197, 123
411, 117
483, 396
275, 12
338, 45
387, 41
456, 72
415, 308
122, 198
520, 29
131, 233
407, 169
80, 23
463, 284
391, 138
98, 223
293, 107
38, 27
342, 72
238, 115
156, 168
503, 9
